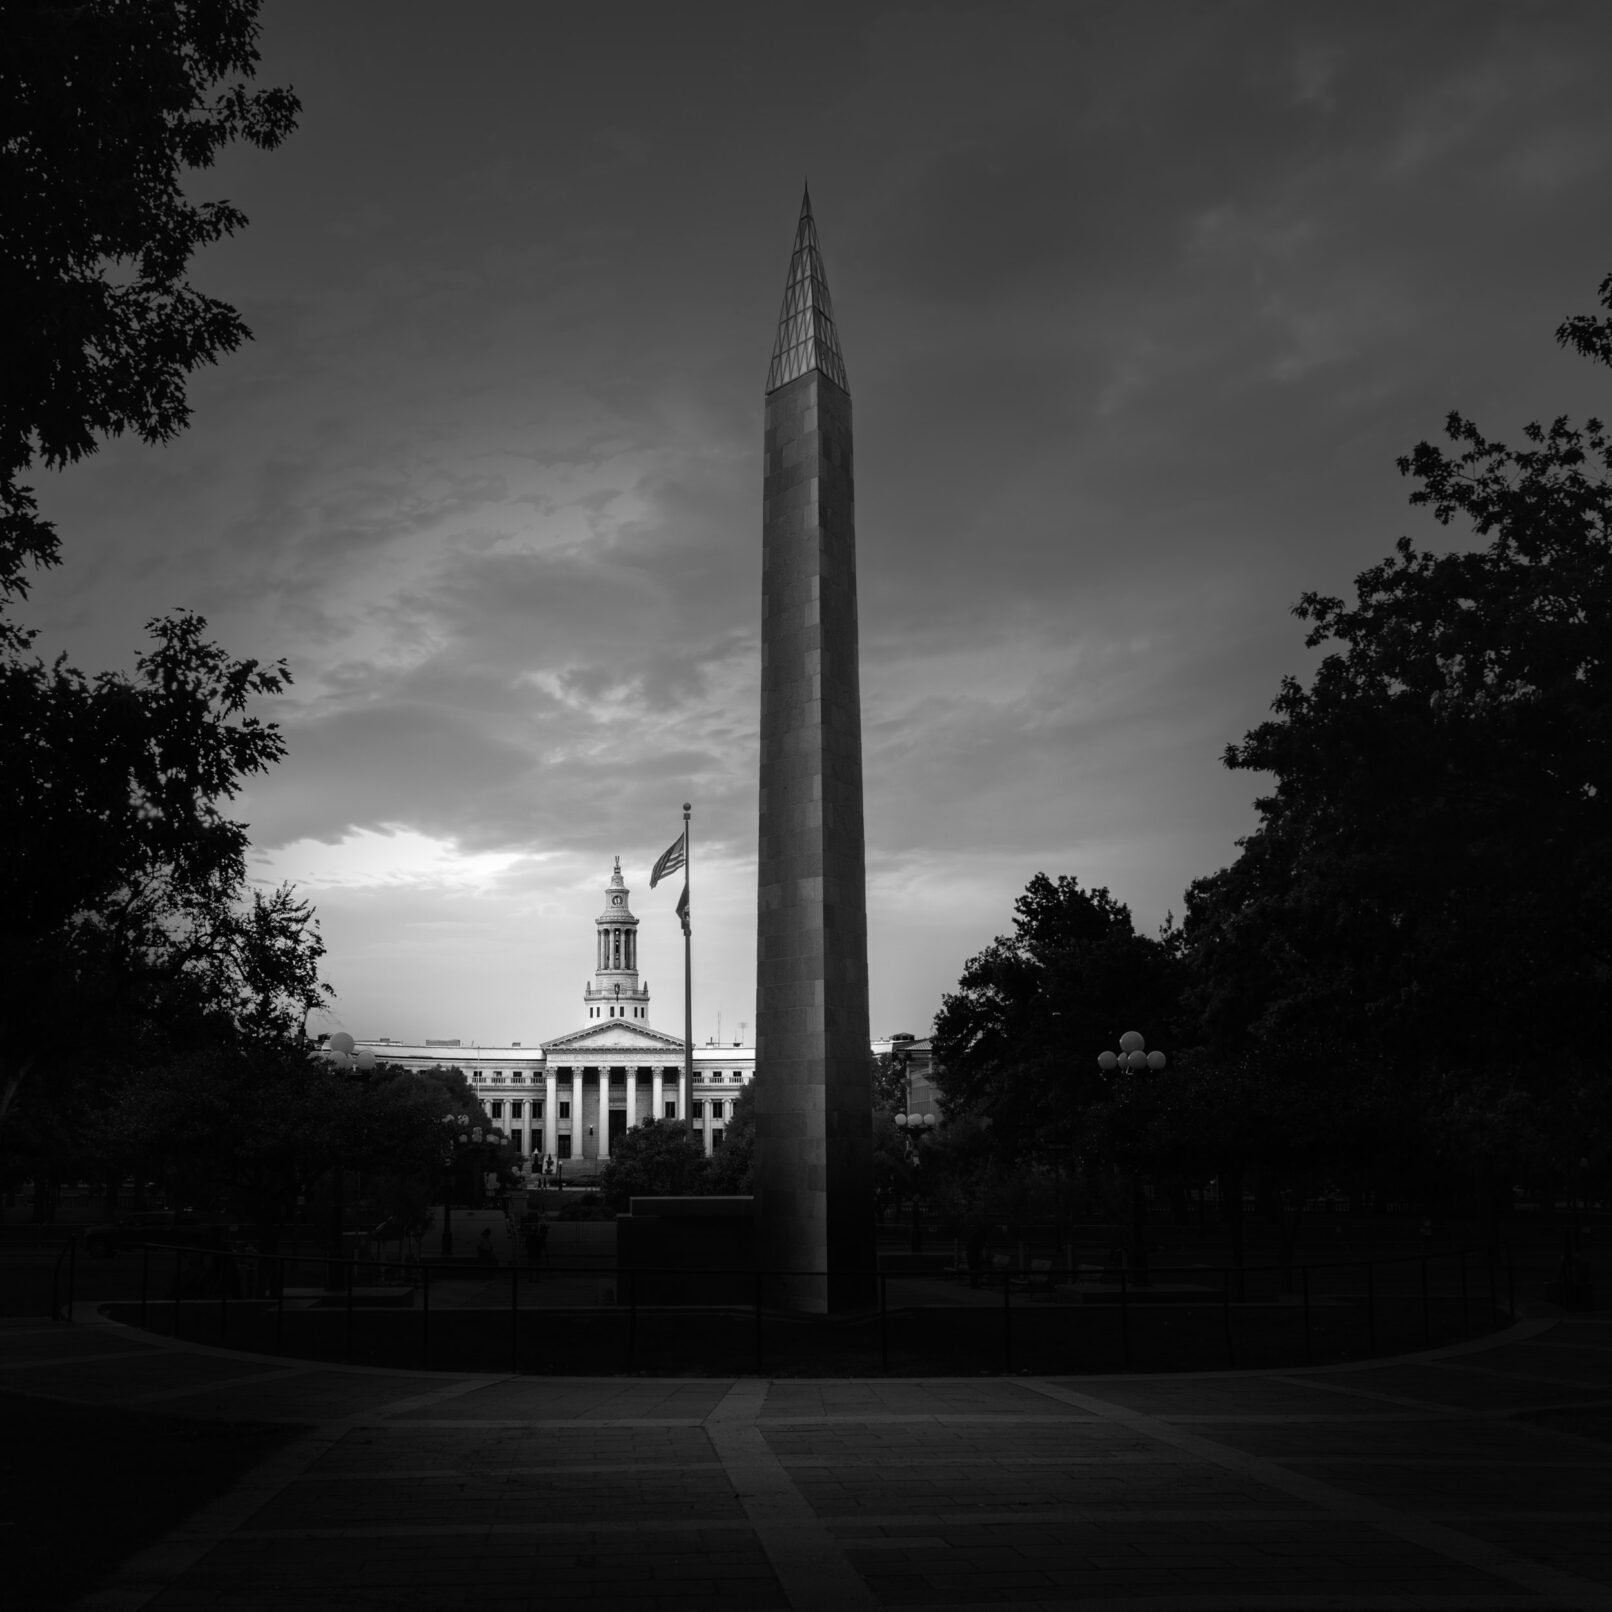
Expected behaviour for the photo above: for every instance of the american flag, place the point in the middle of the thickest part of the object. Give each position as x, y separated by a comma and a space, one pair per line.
671, 860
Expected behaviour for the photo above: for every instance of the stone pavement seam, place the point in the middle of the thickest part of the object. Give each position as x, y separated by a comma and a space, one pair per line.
459, 1474
147, 1573
436, 1396
150, 1571
34, 1362
941, 1418
1509, 1375
568, 1529
1566, 1589
492, 1424
1524, 1331
1425, 1409
1519, 1332
1337, 1601
1438, 1463
1511, 1415
810, 1565
1057, 1511
192, 1390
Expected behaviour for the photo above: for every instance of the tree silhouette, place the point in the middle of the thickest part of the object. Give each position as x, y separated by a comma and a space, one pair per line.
104, 106
1429, 892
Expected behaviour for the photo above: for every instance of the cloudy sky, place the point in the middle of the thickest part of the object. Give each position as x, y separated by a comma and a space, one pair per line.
1139, 304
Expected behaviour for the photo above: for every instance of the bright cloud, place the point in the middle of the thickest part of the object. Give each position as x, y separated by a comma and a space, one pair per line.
384, 858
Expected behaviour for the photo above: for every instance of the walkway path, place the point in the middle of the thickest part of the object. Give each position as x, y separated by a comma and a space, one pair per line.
1477, 1477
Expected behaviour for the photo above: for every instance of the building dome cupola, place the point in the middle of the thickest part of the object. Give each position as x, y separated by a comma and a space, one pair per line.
615, 992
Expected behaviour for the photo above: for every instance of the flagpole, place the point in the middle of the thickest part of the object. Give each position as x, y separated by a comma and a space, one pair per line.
688, 987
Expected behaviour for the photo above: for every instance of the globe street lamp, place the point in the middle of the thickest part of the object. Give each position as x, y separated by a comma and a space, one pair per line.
1133, 1058
914, 1125
341, 1050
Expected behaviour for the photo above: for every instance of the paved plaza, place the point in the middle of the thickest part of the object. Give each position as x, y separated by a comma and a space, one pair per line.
1477, 1476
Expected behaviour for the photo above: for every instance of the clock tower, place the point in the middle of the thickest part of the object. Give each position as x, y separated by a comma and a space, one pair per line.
614, 992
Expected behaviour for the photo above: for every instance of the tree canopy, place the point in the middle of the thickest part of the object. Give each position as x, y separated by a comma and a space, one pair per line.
731, 1168
1428, 896
1411, 957
133, 935
1017, 1041
658, 1159
104, 107
134, 947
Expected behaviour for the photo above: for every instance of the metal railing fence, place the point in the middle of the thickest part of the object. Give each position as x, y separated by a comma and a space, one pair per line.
606, 1318
36, 1271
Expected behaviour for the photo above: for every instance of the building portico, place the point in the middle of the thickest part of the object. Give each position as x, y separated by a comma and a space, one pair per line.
606, 1079
574, 1096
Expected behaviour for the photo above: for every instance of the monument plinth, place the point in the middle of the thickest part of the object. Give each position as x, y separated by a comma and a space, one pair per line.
814, 1100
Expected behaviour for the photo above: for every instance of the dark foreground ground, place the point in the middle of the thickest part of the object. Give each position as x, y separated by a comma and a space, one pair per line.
83, 1486
1475, 1476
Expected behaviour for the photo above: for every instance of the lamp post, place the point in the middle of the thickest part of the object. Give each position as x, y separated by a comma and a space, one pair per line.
1133, 1058
913, 1128
903, 1061
341, 1052
458, 1137
495, 1140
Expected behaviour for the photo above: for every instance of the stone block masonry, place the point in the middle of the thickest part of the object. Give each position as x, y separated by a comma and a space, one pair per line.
814, 1196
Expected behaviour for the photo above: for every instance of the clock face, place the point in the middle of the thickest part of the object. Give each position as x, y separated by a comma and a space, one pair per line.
615, 901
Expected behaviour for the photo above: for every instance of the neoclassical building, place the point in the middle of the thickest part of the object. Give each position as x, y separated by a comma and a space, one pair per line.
570, 1097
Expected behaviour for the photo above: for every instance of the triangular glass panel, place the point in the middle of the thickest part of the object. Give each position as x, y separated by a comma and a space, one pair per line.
806, 337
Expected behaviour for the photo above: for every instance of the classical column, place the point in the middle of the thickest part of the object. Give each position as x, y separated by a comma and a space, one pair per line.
604, 1112
632, 1096
578, 1129
657, 1091
551, 1113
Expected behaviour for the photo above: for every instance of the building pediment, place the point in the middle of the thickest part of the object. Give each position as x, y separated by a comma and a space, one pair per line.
615, 1041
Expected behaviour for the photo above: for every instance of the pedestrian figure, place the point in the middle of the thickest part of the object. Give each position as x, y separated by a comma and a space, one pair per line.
484, 1248
543, 1240
534, 1248
978, 1236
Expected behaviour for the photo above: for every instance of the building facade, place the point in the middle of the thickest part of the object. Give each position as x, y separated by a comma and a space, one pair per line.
570, 1097
914, 1059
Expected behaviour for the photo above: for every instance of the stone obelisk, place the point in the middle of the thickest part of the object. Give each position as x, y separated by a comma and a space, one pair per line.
814, 1100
